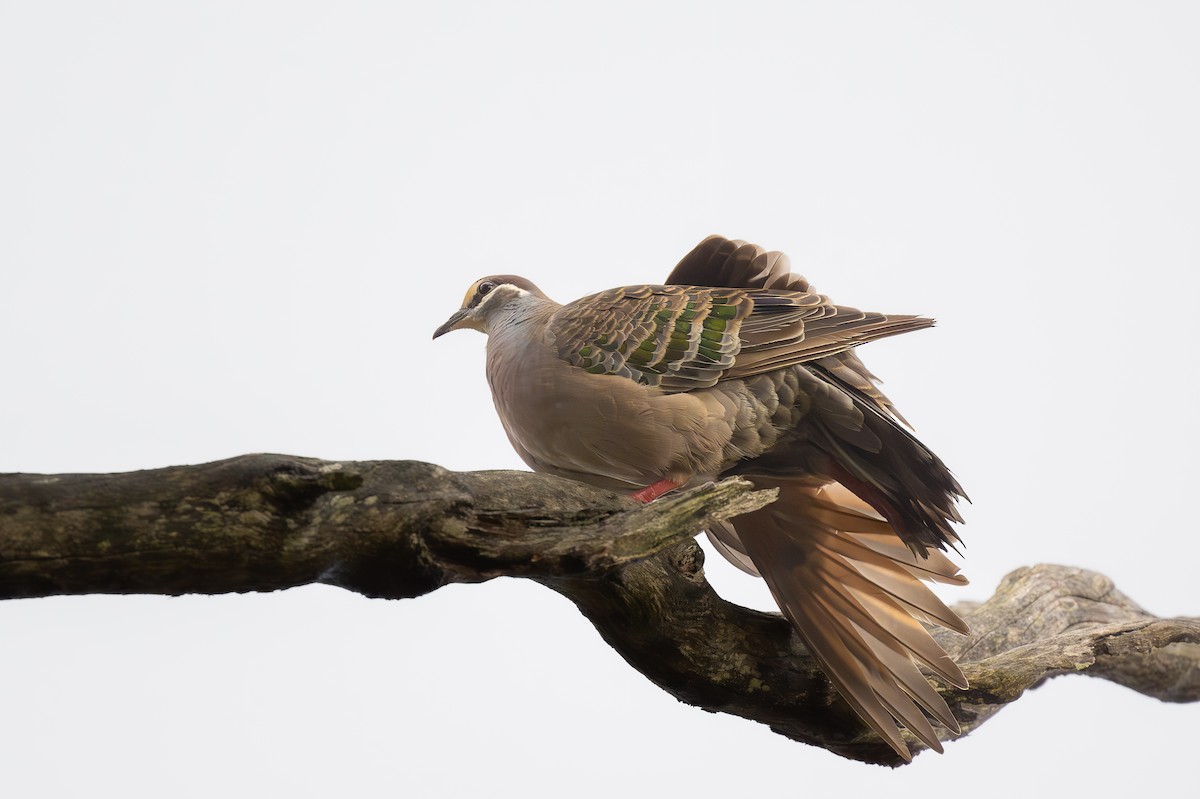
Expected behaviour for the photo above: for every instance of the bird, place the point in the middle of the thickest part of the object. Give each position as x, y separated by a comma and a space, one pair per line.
736, 366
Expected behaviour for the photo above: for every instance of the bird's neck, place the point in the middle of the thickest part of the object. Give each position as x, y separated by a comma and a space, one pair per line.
521, 318
517, 339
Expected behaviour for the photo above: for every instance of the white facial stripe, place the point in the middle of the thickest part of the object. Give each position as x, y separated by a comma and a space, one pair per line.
506, 291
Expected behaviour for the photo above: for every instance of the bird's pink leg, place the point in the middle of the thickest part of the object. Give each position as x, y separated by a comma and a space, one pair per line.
654, 491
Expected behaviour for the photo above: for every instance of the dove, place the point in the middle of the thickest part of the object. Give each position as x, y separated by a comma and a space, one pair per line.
736, 366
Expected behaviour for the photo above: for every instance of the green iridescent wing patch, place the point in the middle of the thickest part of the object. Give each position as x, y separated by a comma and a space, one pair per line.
676, 337
681, 338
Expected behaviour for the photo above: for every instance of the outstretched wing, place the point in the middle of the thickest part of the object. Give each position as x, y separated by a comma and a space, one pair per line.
681, 338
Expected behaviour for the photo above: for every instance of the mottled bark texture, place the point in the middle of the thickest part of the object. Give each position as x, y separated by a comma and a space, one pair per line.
399, 529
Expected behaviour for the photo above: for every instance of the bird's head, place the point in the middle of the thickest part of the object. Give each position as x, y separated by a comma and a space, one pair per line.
489, 299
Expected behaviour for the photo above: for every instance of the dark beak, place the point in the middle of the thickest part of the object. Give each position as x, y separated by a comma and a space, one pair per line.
454, 319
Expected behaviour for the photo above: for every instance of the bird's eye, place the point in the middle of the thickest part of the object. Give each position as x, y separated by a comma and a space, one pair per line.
485, 287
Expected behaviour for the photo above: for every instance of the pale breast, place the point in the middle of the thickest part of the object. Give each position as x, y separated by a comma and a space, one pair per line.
600, 429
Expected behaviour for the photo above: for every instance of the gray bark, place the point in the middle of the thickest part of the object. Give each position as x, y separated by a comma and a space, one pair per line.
398, 529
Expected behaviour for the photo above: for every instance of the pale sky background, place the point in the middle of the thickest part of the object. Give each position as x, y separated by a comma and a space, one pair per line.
232, 227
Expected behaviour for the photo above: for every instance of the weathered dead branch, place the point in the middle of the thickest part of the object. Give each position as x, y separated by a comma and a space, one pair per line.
398, 529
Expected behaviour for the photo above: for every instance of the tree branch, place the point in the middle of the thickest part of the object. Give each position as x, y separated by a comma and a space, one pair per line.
400, 529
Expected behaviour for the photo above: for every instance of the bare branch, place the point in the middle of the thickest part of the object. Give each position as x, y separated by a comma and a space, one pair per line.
392, 529
400, 529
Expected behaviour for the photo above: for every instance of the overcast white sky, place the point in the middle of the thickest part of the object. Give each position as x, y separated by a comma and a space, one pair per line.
232, 227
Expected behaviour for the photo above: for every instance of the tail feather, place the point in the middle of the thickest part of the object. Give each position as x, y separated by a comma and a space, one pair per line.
901, 583
880, 608
724, 538
863, 679
900, 478
934, 566
853, 591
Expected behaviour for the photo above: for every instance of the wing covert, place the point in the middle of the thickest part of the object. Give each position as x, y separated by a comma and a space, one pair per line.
676, 337
682, 338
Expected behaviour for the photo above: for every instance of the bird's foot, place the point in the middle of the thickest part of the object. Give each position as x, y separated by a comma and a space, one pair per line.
654, 491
